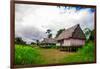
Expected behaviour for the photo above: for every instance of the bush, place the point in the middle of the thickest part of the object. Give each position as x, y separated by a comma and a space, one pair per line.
85, 54
49, 46
26, 55
18, 40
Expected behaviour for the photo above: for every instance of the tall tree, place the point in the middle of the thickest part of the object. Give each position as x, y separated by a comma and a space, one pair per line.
49, 33
59, 32
37, 41
92, 35
87, 32
18, 40
32, 43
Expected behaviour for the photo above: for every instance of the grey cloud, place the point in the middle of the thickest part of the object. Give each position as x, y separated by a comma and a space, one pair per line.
30, 33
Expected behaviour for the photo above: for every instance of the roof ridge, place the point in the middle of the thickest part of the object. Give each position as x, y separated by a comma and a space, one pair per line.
68, 32
75, 29
73, 26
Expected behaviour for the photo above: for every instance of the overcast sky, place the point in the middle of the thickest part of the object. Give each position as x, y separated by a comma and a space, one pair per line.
32, 21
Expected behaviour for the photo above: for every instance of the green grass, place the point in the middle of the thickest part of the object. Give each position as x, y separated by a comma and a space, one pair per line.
86, 54
26, 55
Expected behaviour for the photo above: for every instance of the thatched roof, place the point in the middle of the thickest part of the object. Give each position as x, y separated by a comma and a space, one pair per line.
49, 40
70, 33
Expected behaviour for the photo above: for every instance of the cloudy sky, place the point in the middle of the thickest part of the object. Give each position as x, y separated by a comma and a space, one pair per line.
88, 2
32, 21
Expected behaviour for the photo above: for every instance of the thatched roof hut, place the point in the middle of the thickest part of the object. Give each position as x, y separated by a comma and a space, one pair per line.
73, 36
49, 41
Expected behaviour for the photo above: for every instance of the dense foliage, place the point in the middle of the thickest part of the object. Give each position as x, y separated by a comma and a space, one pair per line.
49, 33
18, 40
85, 54
59, 32
90, 34
26, 55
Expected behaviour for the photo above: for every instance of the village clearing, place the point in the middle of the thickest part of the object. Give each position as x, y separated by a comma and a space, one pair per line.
53, 56
26, 54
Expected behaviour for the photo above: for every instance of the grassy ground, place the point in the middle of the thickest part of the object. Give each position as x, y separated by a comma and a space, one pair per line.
53, 56
86, 54
27, 55
37, 55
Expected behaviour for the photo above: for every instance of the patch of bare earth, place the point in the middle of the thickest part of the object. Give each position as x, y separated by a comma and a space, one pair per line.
53, 56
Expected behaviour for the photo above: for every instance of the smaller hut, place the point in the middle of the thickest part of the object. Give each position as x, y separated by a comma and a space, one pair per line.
47, 42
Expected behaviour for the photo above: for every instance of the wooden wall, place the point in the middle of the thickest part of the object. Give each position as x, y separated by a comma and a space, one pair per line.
73, 42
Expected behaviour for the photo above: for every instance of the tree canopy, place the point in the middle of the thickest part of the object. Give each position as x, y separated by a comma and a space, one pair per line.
49, 33
89, 34
18, 40
59, 32
92, 35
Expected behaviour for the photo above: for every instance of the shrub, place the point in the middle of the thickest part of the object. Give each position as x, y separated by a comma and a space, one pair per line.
85, 54
26, 55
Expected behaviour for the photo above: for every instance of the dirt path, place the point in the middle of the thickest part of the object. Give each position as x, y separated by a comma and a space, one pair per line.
52, 56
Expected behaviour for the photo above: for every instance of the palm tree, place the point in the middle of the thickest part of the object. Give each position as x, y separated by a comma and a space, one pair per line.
92, 36
87, 32
37, 41
49, 33
59, 32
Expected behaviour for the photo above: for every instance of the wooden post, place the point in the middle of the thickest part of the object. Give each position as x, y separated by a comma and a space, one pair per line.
66, 48
69, 49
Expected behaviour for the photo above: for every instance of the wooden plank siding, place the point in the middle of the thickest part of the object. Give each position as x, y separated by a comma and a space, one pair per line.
73, 42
